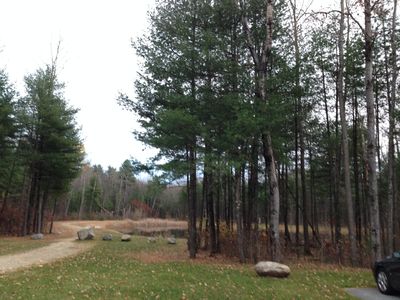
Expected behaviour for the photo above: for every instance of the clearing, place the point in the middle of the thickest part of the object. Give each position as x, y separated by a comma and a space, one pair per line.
62, 247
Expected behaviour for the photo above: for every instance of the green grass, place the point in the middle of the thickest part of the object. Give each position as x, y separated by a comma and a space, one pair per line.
17, 245
110, 271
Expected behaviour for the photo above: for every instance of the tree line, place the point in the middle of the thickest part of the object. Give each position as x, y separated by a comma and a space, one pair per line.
118, 193
276, 115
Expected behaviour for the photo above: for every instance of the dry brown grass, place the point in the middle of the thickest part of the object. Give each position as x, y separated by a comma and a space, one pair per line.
69, 228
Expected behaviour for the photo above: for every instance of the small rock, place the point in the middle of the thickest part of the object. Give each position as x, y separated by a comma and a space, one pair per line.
107, 237
86, 234
171, 240
151, 239
125, 238
272, 269
37, 236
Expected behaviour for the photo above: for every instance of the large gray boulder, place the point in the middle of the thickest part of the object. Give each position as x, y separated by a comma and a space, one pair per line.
125, 238
272, 269
86, 234
37, 236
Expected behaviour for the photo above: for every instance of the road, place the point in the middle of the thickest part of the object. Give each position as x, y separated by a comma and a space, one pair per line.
370, 294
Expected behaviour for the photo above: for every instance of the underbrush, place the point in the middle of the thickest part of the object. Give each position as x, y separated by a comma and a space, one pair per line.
142, 270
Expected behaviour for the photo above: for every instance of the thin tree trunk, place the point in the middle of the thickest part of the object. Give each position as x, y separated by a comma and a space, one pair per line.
286, 205
337, 194
217, 213
356, 171
371, 141
392, 190
53, 215
239, 215
210, 213
345, 144
330, 156
82, 206
192, 203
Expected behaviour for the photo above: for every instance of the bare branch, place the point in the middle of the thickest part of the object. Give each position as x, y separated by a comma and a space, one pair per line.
346, 14
249, 38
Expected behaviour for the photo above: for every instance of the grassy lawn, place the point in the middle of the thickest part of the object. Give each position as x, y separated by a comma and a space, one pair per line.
141, 270
16, 245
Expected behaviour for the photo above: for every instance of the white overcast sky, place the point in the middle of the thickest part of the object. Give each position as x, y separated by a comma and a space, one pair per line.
96, 62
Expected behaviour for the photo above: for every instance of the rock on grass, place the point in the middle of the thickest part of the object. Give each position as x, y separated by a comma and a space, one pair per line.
272, 269
86, 234
125, 238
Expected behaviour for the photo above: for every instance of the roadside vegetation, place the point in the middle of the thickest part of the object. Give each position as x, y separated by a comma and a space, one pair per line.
142, 270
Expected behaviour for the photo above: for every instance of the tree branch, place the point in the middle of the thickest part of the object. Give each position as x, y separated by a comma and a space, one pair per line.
249, 38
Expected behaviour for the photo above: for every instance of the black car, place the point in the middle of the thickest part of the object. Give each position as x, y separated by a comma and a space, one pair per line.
387, 274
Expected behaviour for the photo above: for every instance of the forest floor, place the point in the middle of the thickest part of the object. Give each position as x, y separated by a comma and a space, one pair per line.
62, 243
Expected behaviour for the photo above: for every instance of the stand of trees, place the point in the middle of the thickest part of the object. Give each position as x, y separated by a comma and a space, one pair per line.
118, 194
283, 116
40, 148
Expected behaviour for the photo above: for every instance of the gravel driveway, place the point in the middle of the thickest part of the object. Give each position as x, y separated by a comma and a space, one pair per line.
370, 294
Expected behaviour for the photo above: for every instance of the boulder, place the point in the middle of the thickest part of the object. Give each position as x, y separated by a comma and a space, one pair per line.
107, 237
272, 269
86, 234
37, 236
171, 240
125, 238
151, 239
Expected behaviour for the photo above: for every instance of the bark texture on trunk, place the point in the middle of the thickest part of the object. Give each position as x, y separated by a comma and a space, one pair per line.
371, 138
345, 144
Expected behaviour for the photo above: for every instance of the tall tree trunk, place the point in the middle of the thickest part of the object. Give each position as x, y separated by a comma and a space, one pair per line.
53, 213
202, 207
274, 196
210, 212
356, 171
307, 250
192, 202
330, 154
217, 211
239, 214
82, 205
371, 139
261, 60
25, 200
345, 144
337, 194
299, 116
252, 197
392, 189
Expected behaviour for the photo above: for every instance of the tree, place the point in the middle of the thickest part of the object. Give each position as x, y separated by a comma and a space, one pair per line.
8, 130
52, 147
371, 141
392, 190
345, 144
261, 55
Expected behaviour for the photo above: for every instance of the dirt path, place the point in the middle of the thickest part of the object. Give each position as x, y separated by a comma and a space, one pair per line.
57, 250
64, 247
